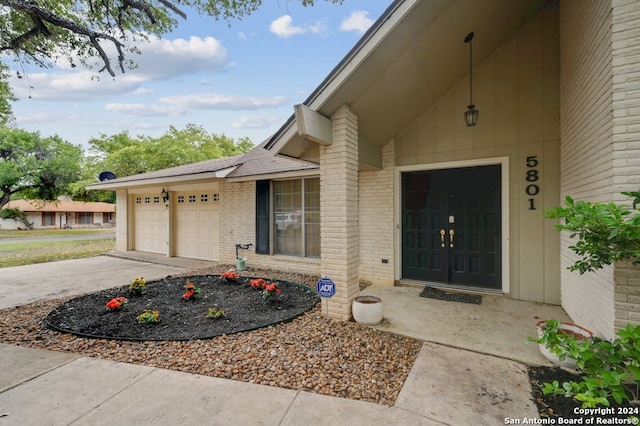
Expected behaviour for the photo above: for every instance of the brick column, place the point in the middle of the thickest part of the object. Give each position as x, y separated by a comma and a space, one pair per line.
122, 220
339, 213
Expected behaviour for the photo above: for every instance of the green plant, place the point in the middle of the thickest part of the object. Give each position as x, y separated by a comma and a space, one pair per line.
191, 290
215, 313
149, 316
138, 286
611, 368
606, 232
116, 303
17, 215
267, 289
561, 342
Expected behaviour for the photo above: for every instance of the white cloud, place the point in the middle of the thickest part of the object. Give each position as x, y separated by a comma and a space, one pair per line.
142, 91
219, 101
255, 122
282, 27
180, 105
165, 59
71, 86
357, 21
318, 28
144, 110
161, 60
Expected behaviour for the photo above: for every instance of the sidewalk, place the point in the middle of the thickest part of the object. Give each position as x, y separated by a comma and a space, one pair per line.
446, 385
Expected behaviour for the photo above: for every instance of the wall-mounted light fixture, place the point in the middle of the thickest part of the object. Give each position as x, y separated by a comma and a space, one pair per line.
471, 114
165, 195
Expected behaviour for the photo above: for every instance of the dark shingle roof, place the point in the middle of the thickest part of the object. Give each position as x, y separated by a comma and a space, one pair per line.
258, 161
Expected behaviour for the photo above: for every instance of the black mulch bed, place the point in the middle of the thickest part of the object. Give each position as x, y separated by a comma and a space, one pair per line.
244, 309
554, 407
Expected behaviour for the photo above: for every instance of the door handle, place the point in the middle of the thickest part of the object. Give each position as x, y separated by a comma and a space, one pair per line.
451, 234
442, 232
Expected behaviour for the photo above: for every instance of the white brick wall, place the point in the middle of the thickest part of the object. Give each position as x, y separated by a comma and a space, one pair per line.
625, 39
339, 213
238, 226
376, 215
587, 152
122, 220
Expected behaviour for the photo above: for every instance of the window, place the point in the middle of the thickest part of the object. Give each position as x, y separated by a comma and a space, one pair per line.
85, 218
296, 217
48, 218
107, 217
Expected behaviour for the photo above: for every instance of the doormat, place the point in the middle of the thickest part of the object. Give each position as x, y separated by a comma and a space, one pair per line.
434, 293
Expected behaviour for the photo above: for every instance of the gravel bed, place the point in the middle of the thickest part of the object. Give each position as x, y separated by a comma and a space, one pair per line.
311, 353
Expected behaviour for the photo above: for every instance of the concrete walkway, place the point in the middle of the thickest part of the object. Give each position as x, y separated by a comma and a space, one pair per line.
447, 384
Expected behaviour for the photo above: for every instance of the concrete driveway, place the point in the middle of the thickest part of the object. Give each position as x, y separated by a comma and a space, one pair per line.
79, 276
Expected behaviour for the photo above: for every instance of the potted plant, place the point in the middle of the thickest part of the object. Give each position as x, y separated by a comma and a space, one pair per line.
606, 233
367, 310
558, 341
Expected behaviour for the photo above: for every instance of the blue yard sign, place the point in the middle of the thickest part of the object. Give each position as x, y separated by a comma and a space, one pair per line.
326, 287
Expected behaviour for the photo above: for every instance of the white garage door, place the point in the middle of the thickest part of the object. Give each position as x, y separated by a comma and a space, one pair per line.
197, 225
150, 224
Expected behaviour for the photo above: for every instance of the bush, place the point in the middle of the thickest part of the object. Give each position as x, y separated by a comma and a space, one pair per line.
606, 232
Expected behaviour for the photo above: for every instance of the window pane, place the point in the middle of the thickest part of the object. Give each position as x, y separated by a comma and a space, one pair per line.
312, 217
296, 221
288, 217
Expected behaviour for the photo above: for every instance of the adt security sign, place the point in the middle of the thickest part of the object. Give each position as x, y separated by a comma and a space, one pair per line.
326, 287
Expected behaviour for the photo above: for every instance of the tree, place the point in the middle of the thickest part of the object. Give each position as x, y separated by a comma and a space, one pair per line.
17, 215
44, 31
124, 155
34, 167
6, 96
606, 232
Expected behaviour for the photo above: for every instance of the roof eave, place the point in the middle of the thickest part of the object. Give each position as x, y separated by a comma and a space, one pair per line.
165, 180
328, 87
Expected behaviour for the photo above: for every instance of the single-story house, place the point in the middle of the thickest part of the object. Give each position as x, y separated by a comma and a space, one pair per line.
61, 214
378, 176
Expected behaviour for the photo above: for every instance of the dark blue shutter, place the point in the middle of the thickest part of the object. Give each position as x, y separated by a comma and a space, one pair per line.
262, 216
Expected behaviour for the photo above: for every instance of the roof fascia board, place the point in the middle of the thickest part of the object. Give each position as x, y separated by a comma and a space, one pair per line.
367, 44
285, 175
158, 181
358, 54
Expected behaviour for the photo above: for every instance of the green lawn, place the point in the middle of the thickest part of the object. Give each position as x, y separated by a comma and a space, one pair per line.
38, 251
4, 233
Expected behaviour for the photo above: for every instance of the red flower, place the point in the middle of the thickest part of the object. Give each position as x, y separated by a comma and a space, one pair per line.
258, 283
189, 294
116, 303
229, 275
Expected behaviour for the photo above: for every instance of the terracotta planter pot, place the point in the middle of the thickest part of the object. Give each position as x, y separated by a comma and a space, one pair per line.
580, 332
367, 310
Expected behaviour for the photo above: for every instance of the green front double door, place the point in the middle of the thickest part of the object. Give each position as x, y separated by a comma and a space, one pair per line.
451, 226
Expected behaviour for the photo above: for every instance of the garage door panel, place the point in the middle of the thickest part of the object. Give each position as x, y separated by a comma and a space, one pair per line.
196, 225
150, 225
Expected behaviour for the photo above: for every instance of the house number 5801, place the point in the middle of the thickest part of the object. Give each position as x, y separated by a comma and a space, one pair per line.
532, 177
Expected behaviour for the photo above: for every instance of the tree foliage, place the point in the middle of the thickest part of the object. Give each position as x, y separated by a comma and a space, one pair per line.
17, 215
35, 167
84, 30
6, 96
124, 155
605, 232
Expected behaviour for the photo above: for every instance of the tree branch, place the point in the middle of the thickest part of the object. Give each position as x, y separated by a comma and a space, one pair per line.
41, 17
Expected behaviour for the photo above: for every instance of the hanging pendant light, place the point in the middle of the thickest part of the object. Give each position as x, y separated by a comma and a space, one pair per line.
471, 114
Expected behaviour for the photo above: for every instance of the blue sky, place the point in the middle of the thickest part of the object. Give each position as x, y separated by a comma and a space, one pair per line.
240, 78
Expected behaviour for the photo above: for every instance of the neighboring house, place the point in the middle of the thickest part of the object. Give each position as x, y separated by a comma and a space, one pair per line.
61, 214
397, 188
